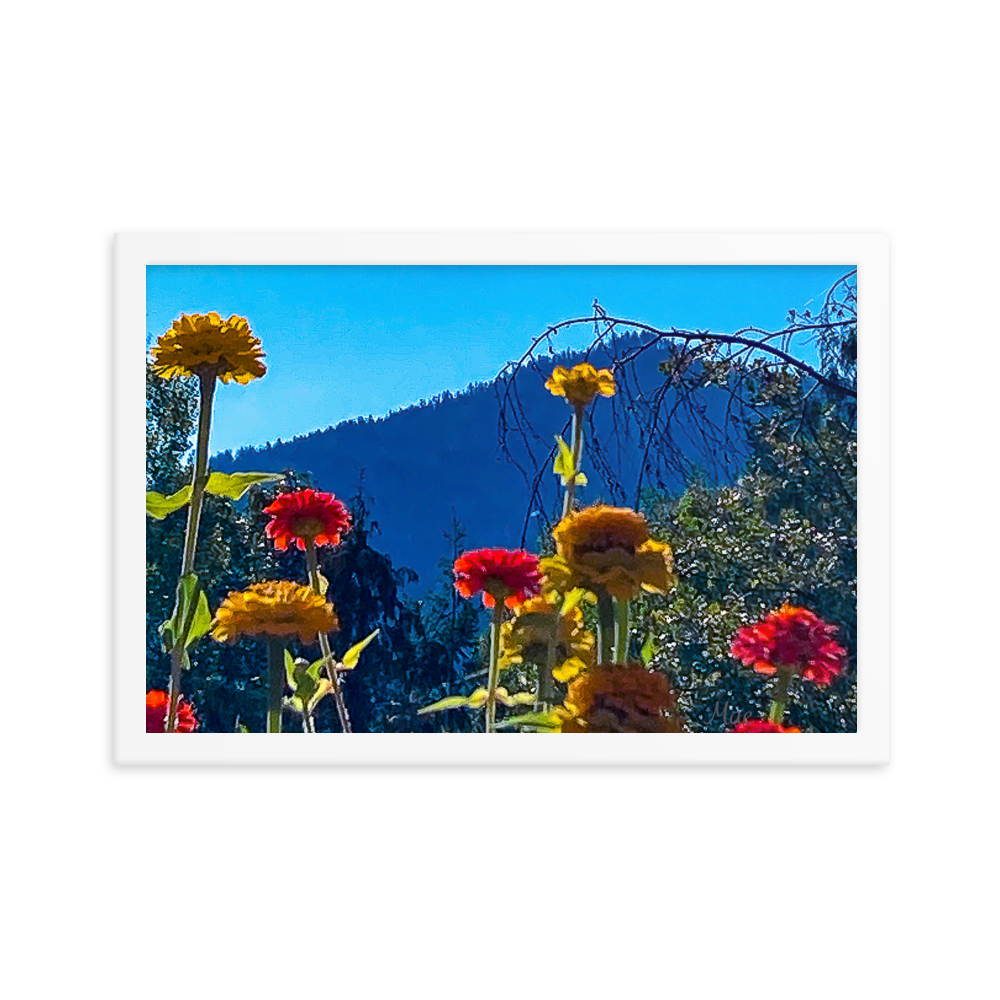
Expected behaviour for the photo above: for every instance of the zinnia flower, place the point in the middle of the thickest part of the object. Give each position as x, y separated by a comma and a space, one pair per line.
307, 515
791, 639
538, 622
157, 706
581, 383
763, 726
608, 547
274, 609
507, 575
206, 343
619, 698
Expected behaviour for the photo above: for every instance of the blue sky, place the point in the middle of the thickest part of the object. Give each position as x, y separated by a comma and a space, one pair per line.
348, 341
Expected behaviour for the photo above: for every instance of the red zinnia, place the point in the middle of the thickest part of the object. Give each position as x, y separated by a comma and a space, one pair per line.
508, 575
157, 704
307, 516
791, 639
763, 726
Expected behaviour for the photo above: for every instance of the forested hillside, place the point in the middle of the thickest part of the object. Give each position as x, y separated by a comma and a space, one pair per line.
444, 457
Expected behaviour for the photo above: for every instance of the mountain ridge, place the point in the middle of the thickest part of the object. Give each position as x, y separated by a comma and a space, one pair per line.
442, 456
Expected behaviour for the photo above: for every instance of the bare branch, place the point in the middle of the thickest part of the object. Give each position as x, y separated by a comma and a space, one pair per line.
695, 419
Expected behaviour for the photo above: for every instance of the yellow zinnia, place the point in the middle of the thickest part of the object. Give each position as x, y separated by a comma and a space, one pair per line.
608, 547
274, 609
581, 383
199, 344
538, 622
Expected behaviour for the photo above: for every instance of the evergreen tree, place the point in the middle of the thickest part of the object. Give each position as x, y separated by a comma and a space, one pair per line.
786, 531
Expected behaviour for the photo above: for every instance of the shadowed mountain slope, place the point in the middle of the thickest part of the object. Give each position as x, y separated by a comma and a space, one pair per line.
424, 462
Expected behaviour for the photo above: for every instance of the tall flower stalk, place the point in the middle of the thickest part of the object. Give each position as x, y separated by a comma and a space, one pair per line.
504, 577
789, 642
275, 683
494, 674
577, 450
307, 519
206, 385
579, 386
273, 612
605, 625
324, 641
780, 697
621, 630
209, 347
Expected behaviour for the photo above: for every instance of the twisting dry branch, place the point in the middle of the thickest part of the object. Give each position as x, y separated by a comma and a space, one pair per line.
690, 419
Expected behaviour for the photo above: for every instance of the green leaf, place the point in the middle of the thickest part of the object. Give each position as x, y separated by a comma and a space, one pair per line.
538, 720
563, 465
191, 618
520, 698
236, 484
571, 600
290, 669
350, 660
648, 650
307, 686
478, 699
159, 506
324, 583
455, 701
201, 620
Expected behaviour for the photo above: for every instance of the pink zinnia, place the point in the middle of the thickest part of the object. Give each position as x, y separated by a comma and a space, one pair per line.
157, 705
306, 516
791, 639
763, 726
507, 575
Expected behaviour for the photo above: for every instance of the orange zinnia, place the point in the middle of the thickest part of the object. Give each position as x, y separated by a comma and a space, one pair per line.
791, 639
510, 576
157, 704
608, 547
620, 698
307, 516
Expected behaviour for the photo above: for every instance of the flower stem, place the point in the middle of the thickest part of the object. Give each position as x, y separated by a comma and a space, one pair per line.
324, 641
198, 482
605, 625
777, 712
546, 695
621, 630
275, 683
577, 450
491, 691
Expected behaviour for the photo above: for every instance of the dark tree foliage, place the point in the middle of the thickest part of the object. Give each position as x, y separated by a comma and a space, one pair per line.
171, 416
786, 531
409, 665
454, 632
